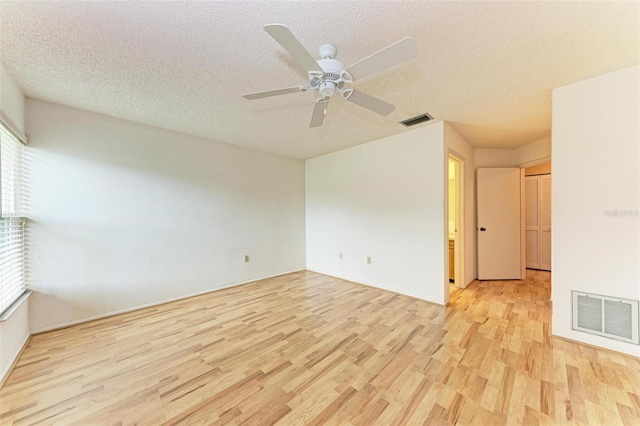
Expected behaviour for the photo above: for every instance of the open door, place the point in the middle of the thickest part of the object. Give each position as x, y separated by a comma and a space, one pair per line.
456, 220
499, 231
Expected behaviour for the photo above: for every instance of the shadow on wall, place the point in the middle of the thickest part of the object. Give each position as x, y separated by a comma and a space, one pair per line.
132, 146
123, 214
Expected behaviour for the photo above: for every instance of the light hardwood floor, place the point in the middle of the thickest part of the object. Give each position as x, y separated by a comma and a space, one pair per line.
310, 349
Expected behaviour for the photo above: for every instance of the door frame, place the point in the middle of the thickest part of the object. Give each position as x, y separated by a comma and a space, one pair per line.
523, 233
459, 236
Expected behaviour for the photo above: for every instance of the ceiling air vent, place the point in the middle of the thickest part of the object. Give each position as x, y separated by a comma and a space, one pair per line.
422, 118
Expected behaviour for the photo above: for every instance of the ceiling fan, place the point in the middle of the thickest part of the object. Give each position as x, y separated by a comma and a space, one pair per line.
328, 75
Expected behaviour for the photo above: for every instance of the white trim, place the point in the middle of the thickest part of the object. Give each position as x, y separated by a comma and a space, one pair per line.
12, 128
15, 305
149, 305
460, 236
523, 234
535, 162
595, 346
378, 288
5, 374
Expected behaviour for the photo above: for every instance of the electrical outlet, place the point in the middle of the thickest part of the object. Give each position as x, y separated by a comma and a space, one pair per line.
340, 256
369, 260
246, 258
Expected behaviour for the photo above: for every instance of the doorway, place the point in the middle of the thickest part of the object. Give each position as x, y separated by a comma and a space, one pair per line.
455, 222
537, 223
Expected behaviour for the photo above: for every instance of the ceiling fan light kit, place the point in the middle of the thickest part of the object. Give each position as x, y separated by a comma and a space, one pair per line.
328, 75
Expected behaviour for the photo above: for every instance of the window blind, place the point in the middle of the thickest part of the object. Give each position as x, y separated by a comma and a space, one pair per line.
12, 262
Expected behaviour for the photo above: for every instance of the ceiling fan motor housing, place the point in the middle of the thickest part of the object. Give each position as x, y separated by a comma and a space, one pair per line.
331, 80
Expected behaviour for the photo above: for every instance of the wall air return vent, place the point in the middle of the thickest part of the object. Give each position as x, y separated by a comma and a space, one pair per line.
605, 316
422, 118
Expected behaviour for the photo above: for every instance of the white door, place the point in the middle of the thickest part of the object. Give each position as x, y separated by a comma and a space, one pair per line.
531, 221
538, 222
545, 222
499, 224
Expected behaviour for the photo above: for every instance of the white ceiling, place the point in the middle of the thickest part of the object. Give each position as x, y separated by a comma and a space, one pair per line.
486, 67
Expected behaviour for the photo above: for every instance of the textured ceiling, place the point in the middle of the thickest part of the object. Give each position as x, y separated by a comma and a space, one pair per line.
486, 67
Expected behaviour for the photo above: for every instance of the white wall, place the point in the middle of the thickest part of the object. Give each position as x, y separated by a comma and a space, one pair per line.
493, 158
11, 99
14, 332
533, 153
596, 159
126, 215
383, 199
458, 145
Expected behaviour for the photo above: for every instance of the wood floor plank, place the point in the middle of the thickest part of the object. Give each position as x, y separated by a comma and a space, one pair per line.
305, 348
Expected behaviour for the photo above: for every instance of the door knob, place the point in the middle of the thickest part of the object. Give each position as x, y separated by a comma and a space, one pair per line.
483, 229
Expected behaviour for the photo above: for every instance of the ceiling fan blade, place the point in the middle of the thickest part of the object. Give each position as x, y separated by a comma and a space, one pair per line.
282, 35
369, 102
399, 52
277, 92
319, 111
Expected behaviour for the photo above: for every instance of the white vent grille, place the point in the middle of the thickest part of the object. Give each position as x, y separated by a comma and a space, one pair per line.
606, 316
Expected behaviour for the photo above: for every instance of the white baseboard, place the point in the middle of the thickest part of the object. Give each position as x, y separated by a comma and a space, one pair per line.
149, 305
5, 374
377, 287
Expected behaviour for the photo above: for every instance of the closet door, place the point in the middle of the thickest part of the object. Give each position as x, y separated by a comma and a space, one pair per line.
544, 251
531, 222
